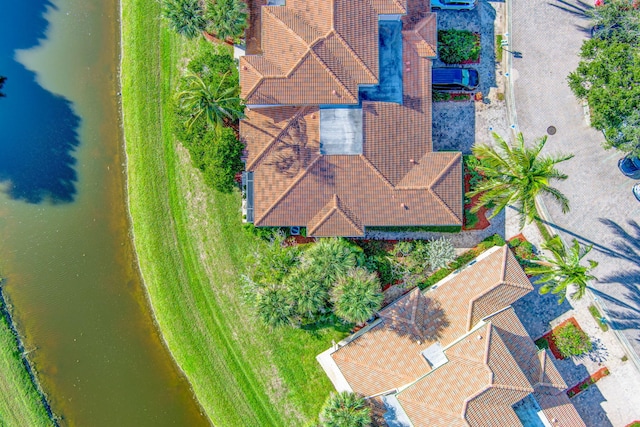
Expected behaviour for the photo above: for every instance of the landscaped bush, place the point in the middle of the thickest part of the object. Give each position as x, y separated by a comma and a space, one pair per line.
227, 19
345, 409
304, 286
571, 340
356, 296
200, 118
439, 96
439, 253
456, 46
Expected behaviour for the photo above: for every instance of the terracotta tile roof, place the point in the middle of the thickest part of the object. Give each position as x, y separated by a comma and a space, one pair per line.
319, 53
559, 408
423, 37
492, 363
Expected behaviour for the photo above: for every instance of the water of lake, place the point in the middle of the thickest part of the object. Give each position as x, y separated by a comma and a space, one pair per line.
64, 235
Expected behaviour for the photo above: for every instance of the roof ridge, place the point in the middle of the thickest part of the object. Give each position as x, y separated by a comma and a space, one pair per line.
327, 69
445, 169
322, 220
503, 266
270, 145
515, 285
339, 206
354, 55
513, 387
376, 171
437, 197
287, 27
285, 193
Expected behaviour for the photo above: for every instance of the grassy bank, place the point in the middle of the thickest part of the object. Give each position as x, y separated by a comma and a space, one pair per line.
192, 251
20, 402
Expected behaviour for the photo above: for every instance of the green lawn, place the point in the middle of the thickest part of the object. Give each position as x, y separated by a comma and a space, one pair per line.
20, 402
192, 252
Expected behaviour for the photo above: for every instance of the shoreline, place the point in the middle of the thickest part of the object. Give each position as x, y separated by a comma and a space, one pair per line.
5, 314
132, 235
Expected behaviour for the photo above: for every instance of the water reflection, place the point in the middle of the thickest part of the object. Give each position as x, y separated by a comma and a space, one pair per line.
39, 129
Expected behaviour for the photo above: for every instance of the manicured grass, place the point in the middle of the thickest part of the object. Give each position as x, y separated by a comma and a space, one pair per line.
499, 48
20, 402
596, 315
192, 252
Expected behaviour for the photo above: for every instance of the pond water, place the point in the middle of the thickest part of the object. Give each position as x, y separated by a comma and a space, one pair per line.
65, 247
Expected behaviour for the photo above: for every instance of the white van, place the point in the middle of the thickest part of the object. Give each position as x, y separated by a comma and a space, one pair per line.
453, 4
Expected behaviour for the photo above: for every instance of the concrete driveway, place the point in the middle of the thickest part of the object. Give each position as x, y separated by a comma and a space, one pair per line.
604, 213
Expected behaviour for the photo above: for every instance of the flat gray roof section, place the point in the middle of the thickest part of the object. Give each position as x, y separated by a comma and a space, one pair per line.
341, 131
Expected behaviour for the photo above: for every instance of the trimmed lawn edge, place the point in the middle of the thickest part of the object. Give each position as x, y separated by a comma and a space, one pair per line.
23, 402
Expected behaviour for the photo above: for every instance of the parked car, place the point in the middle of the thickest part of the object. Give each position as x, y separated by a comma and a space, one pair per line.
636, 191
454, 78
630, 166
453, 4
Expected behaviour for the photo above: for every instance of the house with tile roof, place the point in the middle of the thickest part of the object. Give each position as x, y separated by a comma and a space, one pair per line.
338, 120
456, 355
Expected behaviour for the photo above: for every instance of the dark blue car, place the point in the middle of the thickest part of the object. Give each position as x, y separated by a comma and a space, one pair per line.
630, 166
454, 78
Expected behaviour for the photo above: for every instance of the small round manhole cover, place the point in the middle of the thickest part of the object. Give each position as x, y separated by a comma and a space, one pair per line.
551, 130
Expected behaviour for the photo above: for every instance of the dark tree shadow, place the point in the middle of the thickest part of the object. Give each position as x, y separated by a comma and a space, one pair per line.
417, 317
39, 128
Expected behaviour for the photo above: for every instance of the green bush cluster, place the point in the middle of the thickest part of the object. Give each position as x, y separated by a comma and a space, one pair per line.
227, 19
214, 148
524, 252
571, 341
439, 96
291, 285
608, 75
456, 46
345, 409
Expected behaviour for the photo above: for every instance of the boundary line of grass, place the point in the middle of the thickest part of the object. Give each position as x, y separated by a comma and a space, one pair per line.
192, 252
22, 401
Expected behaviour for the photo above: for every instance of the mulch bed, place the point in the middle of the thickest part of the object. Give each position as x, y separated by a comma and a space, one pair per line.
483, 222
549, 337
584, 384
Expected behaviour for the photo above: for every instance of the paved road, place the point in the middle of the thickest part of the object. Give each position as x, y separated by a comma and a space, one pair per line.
603, 210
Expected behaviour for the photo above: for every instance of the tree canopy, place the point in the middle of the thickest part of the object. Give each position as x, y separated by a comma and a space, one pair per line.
186, 17
345, 409
608, 75
563, 268
517, 174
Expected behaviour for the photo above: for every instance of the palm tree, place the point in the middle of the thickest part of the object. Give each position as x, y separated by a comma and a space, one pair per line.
615, 16
517, 175
227, 19
308, 295
217, 103
345, 409
563, 269
273, 306
186, 17
330, 258
356, 295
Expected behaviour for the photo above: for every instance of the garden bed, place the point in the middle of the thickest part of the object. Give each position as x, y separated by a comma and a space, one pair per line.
523, 250
547, 340
458, 47
455, 97
584, 384
478, 220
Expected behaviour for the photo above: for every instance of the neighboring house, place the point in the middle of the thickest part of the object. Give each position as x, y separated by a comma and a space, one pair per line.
338, 120
456, 355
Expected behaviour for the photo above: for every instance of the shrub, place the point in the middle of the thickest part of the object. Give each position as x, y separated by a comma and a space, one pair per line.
439, 96
222, 161
227, 19
345, 409
356, 296
598, 317
440, 252
542, 343
404, 248
571, 340
186, 17
456, 46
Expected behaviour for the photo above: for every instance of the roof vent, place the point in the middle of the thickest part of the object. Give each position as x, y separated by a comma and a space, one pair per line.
334, 92
403, 206
412, 161
408, 69
244, 67
479, 337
